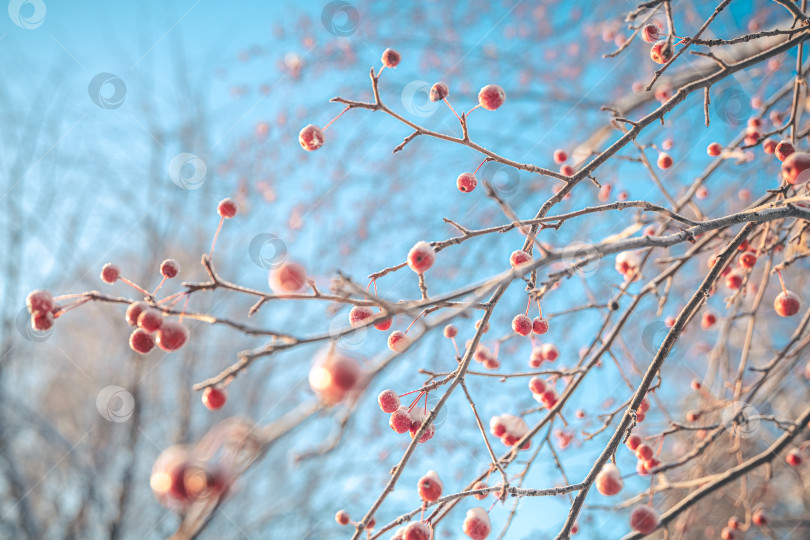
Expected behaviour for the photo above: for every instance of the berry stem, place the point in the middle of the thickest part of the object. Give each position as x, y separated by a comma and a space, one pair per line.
136, 287
216, 235
413, 404
482, 164
185, 307
451, 108
162, 281
528, 305
416, 319
453, 339
170, 297
471, 110
781, 281
335, 118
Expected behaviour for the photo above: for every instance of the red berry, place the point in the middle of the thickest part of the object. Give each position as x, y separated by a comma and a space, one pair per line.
714, 149
400, 420
734, 280
476, 524
491, 97
169, 268
141, 341
759, 518
342, 517
708, 320
560, 156
786, 304
311, 138
39, 300
416, 531
390, 58
383, 324
226, 208
333, 376
290, 277
519, 257
397, 341
478, 323
388, 401
727, 534
644, 406
134, 311
539, 326
567, 170
537, 385
466, 182
171, 336
480, 485
783, 150
522, 325
359, 315
418, 417
650, 33
693, 416
150, 319
695, 384
430, 487
609, 480
769, 146
110, 273
794, 167
439, 91
794, 458
550, 352
733, 522
421, 257
450, 331
664, 161
496, 427
644, 519
644, 452
214, 398
42, 320
661, 52
702, 192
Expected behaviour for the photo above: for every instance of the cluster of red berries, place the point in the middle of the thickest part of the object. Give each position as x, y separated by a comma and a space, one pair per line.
644, 454
510, 429
524, 326
543, 392
484, 356
180, 479
547, 352
406, 419
43, 309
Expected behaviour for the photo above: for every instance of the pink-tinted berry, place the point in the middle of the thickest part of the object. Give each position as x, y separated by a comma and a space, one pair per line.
537, 385
397, 341
311, 138
134, 311
39, 300
342, 517
769, 146
171, 336
476, 523
786, 304
169, 268
421, 257
519, 257
439, 91
150, 319
550, 352
491, 97
714, 149
609, 480
359, 315
416, 531
226, 208
560, 156
794, 457
794, 167
450, 331
644, 452
110, 273
522, 325
390, 58
388, 401
759, 518
289, 277
466, 182
661, 52
383, 324
783, 150
42, 320
141, 341
633, 442
418, 417
664, 161
708, 320
644, 519
539, 326
333, 376
480, 485
430, 487
734, 280
214, 398
650, 33
400, 420
566, 170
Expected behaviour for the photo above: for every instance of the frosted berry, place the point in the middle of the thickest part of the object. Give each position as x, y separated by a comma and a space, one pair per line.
491, 97
476, 524
783, 150
134, 311
466, 182
430, 487
644, 452
383, 324
227, 208
664, 161
416, 531
214, 398
150, 319
769, 146
400, 420
519, 257
794, 167
566, 170
539, 326
388, 401
708, 320
42, 320
644, 519
390, 58
560, 156
333, 376
661, 52
439, 91
714, 149
169, 268
290, 277
609, 480
397, 341
171, 336
418, 417
748, 260
537, 385
480, 485
141, 341
421, 257
794, 457
311, 138
550, 352
359, 315
110, 273
450, 331
650, 33
633, 442
342, 517
522, 325
39, 300
786, 304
